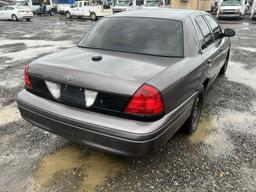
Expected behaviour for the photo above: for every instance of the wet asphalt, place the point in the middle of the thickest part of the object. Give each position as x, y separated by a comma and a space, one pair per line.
220, 156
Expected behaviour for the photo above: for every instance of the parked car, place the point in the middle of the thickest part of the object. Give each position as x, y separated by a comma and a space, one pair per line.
15, 13
232, 9
133, 80
92, 9
155, 4
126, 5
253, 11
34, 5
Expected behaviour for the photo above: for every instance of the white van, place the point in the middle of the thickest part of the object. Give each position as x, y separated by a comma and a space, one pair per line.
35, 4
93, 9
232, 8
127, 5
156, 4
253, 12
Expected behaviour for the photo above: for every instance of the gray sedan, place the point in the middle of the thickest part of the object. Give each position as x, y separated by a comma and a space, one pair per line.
132, 81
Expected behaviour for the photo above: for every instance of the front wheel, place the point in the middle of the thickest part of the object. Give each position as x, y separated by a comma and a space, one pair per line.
93, 16
192, 122
14, 18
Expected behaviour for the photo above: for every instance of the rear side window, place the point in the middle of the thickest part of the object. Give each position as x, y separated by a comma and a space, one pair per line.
160, 37
205, 31
10, 8
214, 26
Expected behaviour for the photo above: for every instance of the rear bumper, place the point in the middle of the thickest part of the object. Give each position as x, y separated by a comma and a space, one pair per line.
25, 16
108, 133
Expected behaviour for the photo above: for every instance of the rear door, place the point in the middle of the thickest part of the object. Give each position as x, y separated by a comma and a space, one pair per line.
6, 13
220, 42
209, 51
1, 12
80, 8
9, 12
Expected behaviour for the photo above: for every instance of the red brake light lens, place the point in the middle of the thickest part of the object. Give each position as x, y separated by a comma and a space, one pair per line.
147, 100
26, 78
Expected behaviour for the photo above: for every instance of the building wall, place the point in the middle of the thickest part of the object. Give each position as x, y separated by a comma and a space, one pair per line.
204, 5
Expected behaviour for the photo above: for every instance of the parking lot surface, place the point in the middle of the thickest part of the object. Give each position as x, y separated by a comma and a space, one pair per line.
220, 156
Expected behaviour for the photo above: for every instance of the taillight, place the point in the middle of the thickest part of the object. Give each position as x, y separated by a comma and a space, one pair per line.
26, 78
147, 100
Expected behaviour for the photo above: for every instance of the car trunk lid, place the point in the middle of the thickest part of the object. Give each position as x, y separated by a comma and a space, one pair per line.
121, 73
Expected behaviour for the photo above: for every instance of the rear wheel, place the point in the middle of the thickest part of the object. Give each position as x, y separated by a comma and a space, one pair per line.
225, 66
93, 16
192, 122
28, 19
68, 15
14, 17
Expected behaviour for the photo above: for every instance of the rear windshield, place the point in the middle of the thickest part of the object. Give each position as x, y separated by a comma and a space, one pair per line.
160, 37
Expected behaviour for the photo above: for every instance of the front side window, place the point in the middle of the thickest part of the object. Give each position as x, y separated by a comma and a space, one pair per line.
204, 29
159, 37
217, 33
74, 5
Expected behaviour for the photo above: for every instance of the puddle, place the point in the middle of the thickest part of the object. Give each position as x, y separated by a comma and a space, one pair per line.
88, 172
213, 132
9, 113
29, 52
237, 73
250, 49
205, 126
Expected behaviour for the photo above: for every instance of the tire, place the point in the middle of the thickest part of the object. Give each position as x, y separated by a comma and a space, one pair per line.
79, 17
14, 17
93, 16
225, 66
51, 13
191, 125
68, 15
28, 19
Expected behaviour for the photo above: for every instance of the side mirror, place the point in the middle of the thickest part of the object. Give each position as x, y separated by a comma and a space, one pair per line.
229, 33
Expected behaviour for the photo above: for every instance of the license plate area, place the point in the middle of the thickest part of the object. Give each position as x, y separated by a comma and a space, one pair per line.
72, 95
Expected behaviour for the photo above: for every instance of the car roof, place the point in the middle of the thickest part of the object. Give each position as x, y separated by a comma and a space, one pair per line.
162, 13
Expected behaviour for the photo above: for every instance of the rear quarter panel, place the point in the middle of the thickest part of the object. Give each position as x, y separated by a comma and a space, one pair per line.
180, 81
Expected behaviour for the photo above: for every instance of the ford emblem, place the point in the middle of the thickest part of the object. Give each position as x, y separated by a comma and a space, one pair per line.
68, 78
